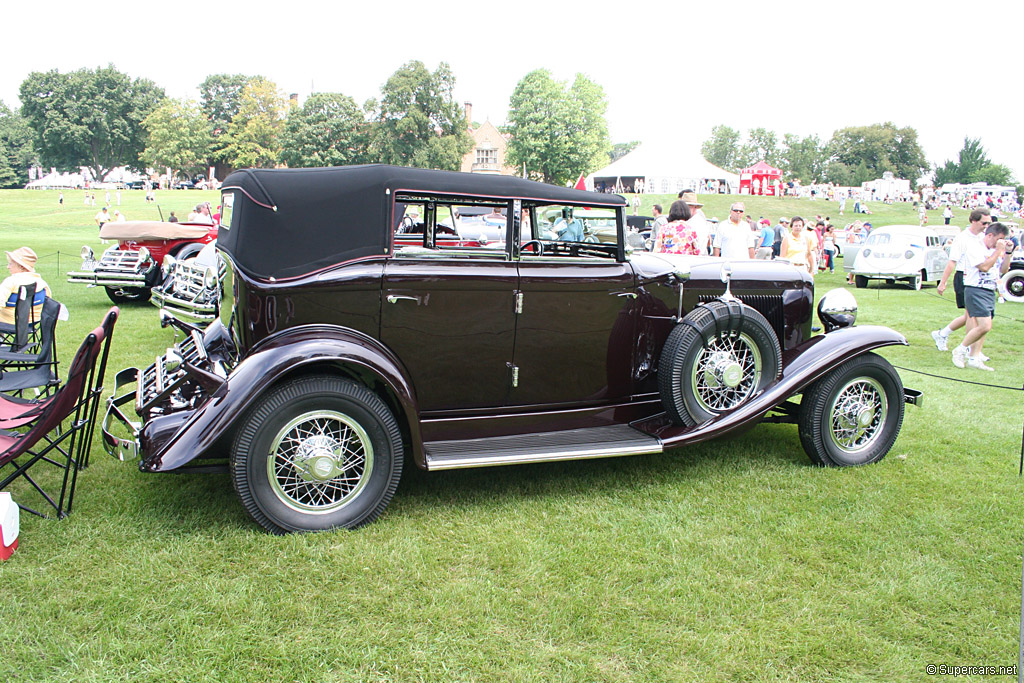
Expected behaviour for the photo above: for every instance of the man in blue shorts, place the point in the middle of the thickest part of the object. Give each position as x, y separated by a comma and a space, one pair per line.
985, 260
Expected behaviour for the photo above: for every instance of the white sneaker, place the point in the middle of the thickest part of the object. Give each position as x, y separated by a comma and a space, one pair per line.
940, 340
984, 357
978, 364
959, 356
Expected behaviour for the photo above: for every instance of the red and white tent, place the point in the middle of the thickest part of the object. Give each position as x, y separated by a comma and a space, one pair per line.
761, 178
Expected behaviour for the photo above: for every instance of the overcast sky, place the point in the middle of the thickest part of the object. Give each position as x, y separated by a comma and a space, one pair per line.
668, 69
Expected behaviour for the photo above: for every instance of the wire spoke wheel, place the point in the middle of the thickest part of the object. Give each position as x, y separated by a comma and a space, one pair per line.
857, 415
726, 372
319, 461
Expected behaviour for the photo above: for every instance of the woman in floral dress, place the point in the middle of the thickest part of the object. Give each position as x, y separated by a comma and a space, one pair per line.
677, 236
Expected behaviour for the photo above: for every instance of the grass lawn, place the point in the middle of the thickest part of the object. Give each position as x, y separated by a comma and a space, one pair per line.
734, 560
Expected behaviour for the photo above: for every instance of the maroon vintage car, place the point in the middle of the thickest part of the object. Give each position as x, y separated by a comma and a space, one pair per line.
130, 269
362, 327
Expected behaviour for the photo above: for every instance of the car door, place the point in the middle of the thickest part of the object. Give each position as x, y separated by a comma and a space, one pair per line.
575, 328
448, 313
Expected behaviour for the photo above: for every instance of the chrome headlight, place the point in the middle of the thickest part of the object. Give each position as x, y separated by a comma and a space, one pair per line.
210, 279
87, 254
168, 263
837, 308
144, 255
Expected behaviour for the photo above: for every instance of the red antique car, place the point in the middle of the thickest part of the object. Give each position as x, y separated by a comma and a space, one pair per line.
131, 268
348, 343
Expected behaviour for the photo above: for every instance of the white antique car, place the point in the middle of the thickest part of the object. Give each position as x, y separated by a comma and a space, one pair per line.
909, 253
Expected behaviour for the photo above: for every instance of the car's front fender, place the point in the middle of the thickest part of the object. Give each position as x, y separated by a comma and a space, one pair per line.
801, 366
298, 349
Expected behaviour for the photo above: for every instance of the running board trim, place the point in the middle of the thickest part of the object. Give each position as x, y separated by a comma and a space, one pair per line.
575, 444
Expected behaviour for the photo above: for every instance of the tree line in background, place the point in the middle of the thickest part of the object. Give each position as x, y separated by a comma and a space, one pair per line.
103, 119
850, 157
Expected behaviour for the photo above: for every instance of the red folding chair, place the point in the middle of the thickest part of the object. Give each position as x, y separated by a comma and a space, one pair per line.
58, 430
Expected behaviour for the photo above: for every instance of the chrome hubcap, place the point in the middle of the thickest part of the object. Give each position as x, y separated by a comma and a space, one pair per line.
858, 414
726, 372
319, 461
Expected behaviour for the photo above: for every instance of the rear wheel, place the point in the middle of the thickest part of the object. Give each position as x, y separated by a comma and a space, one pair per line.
853, 414
861, 281
916, 282
317, 453
123, 295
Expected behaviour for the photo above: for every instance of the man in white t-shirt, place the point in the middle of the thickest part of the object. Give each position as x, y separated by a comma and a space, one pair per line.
985, 259
979, 220
734, 239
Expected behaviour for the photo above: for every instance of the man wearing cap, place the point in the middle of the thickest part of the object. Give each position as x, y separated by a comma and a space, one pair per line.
22, 264
698, 221
102, 216
734, 239
766, 236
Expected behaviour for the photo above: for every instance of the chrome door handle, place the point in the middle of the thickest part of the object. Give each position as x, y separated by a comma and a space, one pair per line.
629, 294
394, 298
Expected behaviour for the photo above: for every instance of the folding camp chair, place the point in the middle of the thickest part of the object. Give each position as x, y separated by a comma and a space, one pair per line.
34, 367
15, 337
57, 430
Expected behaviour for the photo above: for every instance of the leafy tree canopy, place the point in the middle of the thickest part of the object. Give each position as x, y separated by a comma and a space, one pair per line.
802, 158
88, 117
621, 149
254, 134
558, 131
16, 150
862, 153
722, 148
220, 97
179, 137
973, 166
329, 130
418, 122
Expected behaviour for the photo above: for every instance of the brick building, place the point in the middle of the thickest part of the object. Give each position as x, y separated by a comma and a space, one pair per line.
489, 145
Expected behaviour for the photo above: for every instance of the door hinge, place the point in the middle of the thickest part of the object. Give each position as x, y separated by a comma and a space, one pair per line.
515, 375
519, 302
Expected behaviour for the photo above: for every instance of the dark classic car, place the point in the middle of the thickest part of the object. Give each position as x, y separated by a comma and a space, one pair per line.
345, 346
191, 286
131, 268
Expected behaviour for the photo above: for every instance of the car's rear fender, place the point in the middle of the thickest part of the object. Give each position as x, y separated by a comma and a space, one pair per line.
801, 366
301, 350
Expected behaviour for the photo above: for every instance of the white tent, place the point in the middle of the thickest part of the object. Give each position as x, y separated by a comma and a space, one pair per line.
662, 169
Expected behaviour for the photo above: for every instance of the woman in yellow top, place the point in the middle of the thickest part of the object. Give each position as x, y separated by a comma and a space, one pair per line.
800, 246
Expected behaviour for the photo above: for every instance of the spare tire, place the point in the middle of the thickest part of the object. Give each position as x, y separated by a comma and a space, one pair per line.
718, 357
1011, 286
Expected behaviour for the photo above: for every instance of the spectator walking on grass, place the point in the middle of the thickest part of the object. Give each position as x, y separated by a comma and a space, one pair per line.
733, 239
980, 219
659, 221
800, 246
698, 221
677, 236
986, 259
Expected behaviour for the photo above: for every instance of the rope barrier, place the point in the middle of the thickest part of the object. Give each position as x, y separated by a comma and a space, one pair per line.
963, 381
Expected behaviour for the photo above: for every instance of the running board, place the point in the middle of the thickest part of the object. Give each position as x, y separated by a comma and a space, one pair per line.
519, 449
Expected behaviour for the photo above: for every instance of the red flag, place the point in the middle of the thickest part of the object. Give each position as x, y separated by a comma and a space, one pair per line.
581, 183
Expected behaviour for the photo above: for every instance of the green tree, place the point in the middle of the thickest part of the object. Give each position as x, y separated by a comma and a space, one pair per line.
88, 117
16, 151
253, 138
558, 131
329, 130
220, 97
621, 149
802, 158
418, 122
973, 166
179, 137
863, 153
761, 145
723, 148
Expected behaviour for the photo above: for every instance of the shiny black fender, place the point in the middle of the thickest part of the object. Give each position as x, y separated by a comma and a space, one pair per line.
801, 366
296, 350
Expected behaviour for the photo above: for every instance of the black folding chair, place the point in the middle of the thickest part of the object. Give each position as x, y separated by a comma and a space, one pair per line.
15, 337
35, 367
57, 430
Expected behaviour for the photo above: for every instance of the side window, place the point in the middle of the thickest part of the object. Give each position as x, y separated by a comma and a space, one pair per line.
409, 219
566, 230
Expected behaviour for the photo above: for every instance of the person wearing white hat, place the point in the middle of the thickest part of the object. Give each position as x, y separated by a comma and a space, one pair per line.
22, 264
698, 221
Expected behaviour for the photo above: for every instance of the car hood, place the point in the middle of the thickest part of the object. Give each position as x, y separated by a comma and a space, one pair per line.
653, 266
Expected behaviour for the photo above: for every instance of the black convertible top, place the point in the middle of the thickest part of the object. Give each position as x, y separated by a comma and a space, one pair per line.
290, 222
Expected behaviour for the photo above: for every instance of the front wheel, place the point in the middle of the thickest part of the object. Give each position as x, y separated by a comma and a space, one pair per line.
852, 415
123, 295
916, 282
861, 281
317, 453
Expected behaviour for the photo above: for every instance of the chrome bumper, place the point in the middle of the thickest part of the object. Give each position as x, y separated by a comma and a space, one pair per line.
185, 307
123, 449
914, 397
107, 278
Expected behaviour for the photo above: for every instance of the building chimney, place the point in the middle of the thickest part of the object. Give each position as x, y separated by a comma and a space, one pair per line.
469, 114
